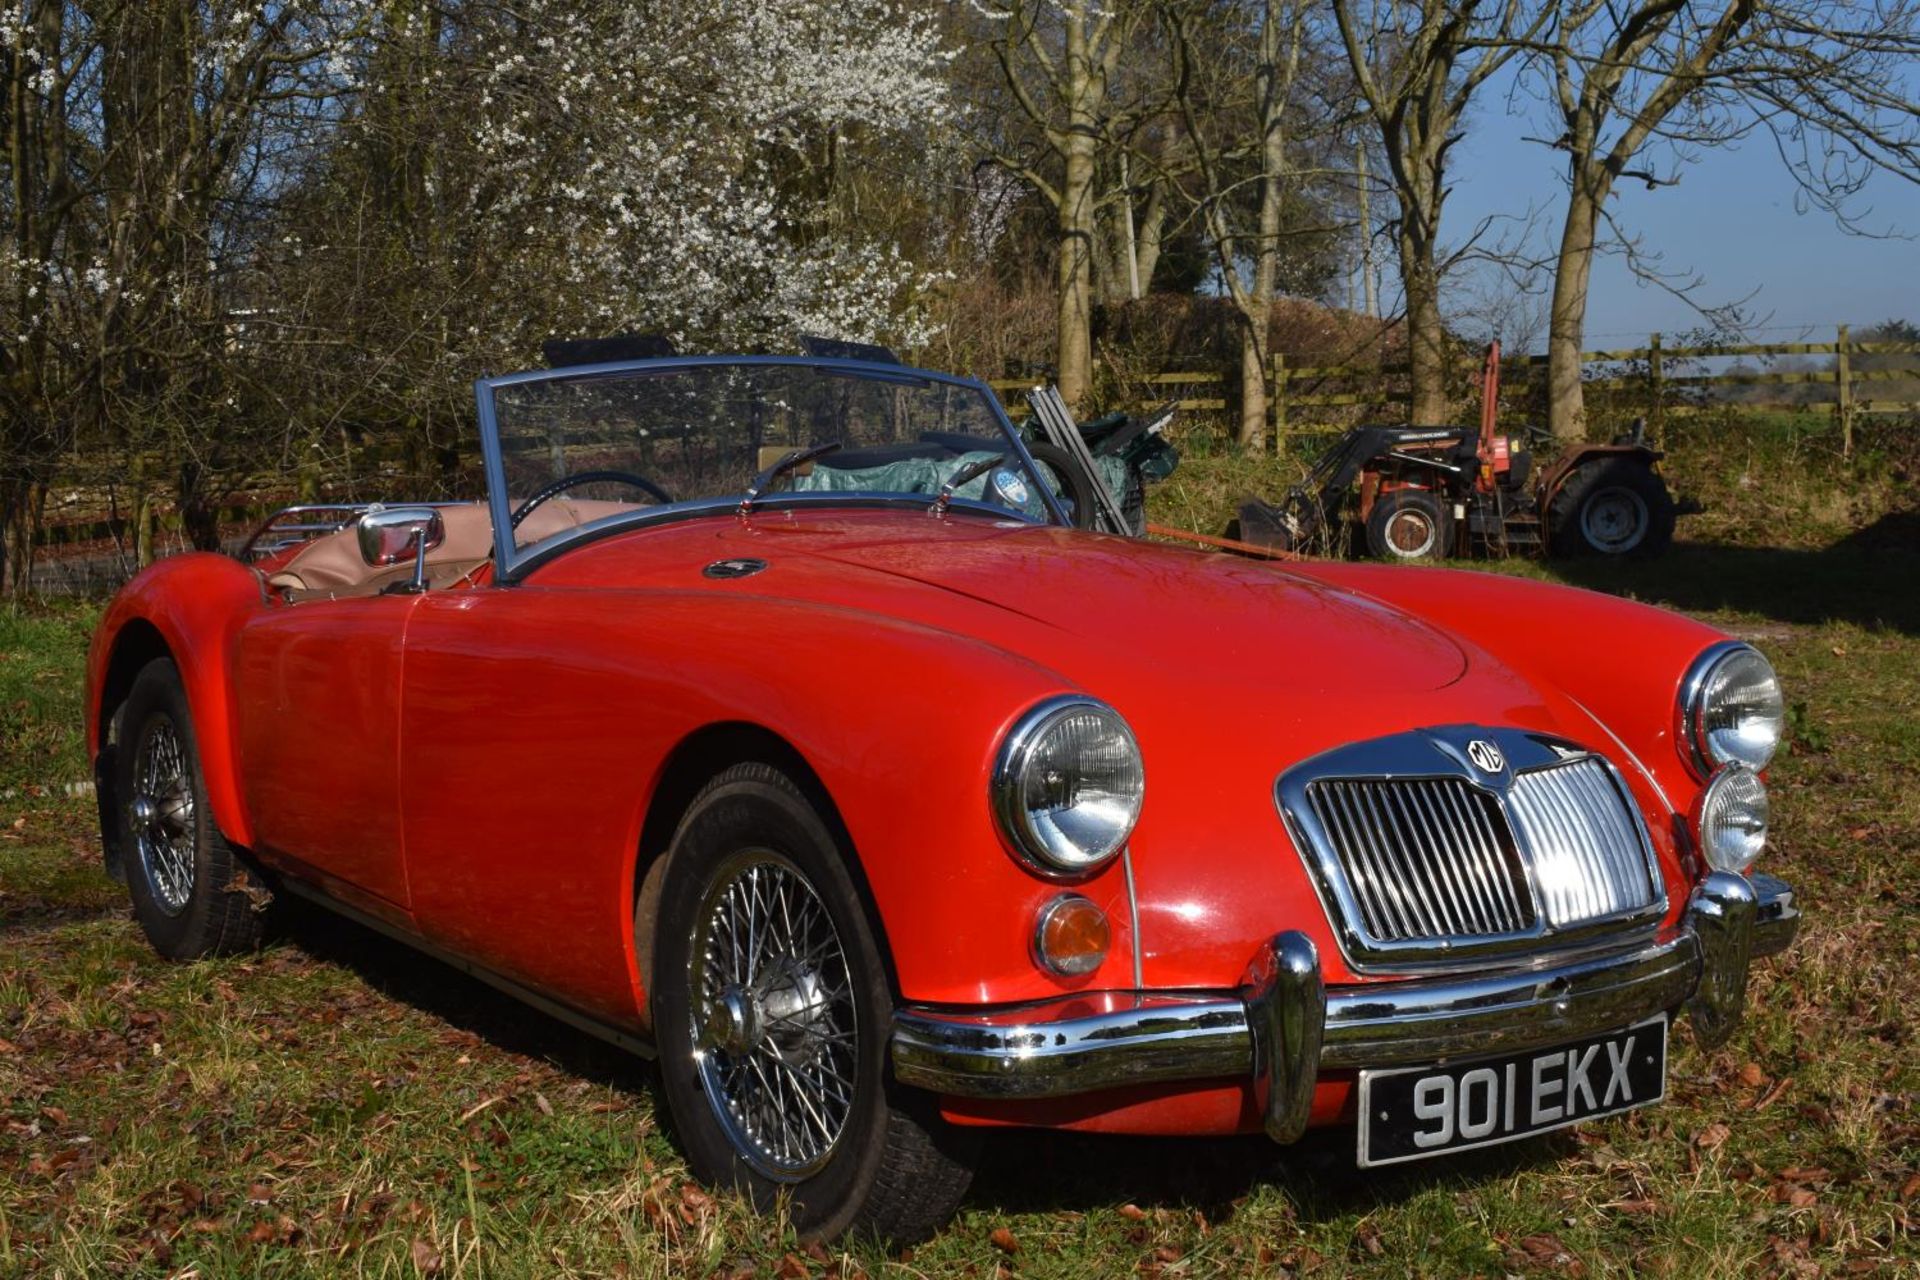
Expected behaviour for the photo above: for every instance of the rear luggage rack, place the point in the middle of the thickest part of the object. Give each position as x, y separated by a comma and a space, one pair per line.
296, 525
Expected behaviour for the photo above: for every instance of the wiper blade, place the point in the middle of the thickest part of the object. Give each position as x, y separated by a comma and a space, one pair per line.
762, 482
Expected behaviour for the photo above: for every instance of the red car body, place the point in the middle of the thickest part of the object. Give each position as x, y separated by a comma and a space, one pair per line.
495, 771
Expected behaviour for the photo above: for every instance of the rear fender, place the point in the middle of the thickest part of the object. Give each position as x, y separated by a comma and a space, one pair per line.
187, 608
1557, 475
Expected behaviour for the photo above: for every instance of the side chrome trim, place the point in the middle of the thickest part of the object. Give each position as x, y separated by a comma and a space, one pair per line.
1267, 1031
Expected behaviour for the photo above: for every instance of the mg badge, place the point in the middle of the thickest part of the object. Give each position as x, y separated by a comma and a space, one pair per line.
1485, 756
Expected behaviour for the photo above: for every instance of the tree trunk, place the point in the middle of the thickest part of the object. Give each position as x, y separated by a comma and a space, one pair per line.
1075, 324
1426, 334
1076, 221
1566, 332
17, 528
1253, 383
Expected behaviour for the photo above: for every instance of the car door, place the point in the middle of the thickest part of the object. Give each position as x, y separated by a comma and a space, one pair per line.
317, 700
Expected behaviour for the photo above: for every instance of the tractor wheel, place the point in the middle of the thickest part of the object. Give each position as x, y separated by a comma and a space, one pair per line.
1069, 483
1409, 524
1611, 506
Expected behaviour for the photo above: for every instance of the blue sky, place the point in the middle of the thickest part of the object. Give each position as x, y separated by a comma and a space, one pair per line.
1732, 220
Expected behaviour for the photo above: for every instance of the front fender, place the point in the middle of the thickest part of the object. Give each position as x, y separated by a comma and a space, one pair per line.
1622, 661
192, 605
588, 693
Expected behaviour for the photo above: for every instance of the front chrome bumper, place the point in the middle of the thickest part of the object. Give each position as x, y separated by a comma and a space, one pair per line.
1283, 1027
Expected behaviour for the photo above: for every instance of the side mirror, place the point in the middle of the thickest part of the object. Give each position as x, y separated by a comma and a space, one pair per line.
389, 535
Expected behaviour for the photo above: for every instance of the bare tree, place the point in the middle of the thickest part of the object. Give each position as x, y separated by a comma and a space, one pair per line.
1060, 62
1418, 67
1255, 153
1655, 80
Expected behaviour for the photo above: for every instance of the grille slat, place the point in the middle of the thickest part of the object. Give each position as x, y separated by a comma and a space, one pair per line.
1586, 854
1438, 858
1411, 874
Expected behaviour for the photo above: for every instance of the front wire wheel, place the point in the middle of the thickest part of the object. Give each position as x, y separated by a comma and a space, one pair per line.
193, 893
775, 1029
772, 1007
160, 815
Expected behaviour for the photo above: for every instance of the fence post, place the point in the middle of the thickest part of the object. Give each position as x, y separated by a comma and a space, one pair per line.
1656, 373
1279, 402
1843, 391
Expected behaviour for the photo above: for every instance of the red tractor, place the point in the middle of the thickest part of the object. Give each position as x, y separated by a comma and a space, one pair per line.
1434, 492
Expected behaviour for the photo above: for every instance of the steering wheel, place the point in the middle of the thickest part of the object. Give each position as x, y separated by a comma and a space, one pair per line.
565, 483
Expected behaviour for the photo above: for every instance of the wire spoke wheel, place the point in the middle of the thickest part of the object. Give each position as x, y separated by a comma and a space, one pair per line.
160, 815
775, 1030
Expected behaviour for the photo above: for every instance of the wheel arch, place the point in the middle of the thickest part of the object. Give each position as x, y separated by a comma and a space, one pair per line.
187, 608
694, 761
134, 646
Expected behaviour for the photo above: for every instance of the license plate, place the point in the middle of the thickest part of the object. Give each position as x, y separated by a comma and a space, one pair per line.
1409, 1113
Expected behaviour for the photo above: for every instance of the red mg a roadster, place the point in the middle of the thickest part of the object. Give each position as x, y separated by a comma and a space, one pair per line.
769, 717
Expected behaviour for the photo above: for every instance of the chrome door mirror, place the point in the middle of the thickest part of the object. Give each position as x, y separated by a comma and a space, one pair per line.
389, 535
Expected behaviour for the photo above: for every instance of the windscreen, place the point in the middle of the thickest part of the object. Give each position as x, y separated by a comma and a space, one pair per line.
600, 445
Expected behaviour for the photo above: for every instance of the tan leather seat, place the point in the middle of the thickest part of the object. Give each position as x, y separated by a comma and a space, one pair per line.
330, 566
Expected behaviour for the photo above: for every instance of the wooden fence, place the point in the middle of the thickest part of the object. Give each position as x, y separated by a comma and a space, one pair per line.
1649, 374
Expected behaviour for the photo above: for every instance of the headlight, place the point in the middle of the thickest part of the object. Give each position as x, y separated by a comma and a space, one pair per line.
1731, 711
1733, 819
1067, 785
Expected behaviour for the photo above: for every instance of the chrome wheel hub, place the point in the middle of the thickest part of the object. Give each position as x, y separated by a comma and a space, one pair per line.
774, 1030
160, 816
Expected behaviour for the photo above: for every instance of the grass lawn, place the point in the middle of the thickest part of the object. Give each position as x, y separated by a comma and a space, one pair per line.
339, 1106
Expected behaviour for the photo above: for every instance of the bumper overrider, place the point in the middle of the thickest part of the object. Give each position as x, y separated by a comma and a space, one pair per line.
1284, 1026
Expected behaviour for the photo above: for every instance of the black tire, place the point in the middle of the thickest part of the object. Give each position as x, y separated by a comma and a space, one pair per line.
1611, 505
192, 893
880, 1162
1408, 525
1072, 485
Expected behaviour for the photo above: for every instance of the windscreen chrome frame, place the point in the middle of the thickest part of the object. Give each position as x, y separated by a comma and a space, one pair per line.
512, 562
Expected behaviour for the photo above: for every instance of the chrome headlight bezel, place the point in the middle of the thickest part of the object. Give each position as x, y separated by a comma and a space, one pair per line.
1718, 795
1016, 754
1691, 733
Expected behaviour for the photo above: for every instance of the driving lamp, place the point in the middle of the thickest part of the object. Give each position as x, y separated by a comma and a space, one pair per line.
1732, 711
1733, 819
1067, 785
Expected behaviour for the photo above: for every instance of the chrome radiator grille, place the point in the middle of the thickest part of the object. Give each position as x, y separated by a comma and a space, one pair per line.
1587, 860
1425, 857
1445, 843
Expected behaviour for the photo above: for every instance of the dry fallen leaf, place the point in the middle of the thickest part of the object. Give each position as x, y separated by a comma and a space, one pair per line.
426, 1258
1132, 1212
1003, 1240
1713, 1136
1548, 1251
1752, 1076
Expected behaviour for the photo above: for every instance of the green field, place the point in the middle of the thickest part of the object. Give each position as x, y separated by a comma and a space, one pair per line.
340, 1106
